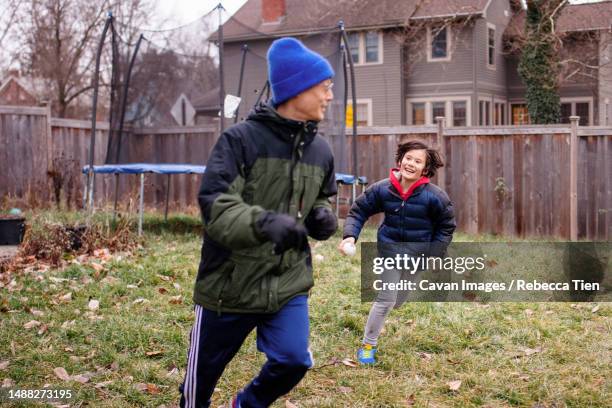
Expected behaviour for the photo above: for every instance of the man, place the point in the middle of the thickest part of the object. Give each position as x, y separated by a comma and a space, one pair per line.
267, 186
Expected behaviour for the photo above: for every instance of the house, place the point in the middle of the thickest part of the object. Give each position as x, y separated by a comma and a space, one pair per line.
14, 91
418, 59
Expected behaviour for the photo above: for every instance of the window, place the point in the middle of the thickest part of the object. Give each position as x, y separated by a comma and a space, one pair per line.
418, 113
520, 114
566, 112
371, 46
438, 43
576, 107
582, 110
499, 114
437, 109
490, 46
484, 113
364, 113
366, 47
353, 40
459, 113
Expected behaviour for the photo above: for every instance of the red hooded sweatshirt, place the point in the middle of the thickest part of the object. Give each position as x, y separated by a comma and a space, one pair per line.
398, 186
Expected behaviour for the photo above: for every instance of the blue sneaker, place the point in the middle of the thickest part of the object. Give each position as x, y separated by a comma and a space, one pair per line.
367, 354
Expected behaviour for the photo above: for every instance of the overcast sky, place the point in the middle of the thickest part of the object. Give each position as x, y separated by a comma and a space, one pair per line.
180, 12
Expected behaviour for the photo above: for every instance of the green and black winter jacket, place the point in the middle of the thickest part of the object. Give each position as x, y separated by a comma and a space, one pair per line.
266, 163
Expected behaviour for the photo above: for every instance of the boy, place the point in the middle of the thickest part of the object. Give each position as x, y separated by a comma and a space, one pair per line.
266, 188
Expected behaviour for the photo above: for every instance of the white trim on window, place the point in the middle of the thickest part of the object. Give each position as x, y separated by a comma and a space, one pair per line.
448, 45
368, 103
448, 107
491, 66
580, 99
503, 110
488, 101
362, 48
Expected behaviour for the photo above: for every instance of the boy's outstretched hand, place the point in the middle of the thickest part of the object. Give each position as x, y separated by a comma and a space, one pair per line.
347, 246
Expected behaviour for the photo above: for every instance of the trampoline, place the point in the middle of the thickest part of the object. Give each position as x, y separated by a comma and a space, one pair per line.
169, 169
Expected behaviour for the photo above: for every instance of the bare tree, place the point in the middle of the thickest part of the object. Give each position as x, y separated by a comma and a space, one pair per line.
60, 39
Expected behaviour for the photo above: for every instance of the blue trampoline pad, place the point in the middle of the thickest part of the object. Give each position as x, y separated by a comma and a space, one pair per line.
139, 168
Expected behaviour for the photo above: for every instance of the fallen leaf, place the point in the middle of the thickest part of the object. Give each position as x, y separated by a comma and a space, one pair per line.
319, 258
176, 300
410, 401
37, 312
80, 378
454, 385
66, 298
176, 285
97, 267
141, 387
424, 356
132, 287
7, 383
164, 278
111, 280
93, 304
530, 351
154, 353
345, 390
289, 404
528, 312
103, 384
162, 291
4, 364
595, 309
31, 323
524, 377
350, 363
43, 329
152, 389
61, 373
140, 300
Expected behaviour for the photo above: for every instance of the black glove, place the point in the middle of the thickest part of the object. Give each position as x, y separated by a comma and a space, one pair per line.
283, 230
321, 223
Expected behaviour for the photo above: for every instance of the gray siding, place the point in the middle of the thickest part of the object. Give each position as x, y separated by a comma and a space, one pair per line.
382, 83
428, 75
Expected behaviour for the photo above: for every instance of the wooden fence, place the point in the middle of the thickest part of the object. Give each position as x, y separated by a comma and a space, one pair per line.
512, 180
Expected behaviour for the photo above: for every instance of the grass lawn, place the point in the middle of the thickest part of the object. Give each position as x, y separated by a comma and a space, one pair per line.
129, 348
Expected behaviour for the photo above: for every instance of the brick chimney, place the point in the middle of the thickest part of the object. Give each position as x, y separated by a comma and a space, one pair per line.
272, 11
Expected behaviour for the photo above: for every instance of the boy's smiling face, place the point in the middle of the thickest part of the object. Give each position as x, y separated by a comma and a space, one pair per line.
412, 164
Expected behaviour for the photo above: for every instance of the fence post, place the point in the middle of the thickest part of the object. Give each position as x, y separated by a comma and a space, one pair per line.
442, 147
574, 178
49, 142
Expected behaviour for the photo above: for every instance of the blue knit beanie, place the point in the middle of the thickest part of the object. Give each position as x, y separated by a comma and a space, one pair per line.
293, 68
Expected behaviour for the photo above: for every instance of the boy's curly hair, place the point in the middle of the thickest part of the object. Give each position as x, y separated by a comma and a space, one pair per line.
434, 161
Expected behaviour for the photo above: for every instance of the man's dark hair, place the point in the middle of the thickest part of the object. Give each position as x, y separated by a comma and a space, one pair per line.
434, 161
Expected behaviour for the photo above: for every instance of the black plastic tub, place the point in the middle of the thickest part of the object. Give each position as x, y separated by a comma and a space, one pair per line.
11, 230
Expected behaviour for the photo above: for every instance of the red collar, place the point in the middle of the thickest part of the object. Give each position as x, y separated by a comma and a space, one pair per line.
398, 186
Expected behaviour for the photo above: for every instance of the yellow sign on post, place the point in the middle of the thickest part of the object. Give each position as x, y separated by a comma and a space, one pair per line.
349, 115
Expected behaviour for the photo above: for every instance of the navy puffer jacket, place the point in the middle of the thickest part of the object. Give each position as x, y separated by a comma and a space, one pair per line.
422, 214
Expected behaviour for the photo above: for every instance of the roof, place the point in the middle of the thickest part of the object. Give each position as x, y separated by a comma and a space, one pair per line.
573, 17
310, 17
208, 101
